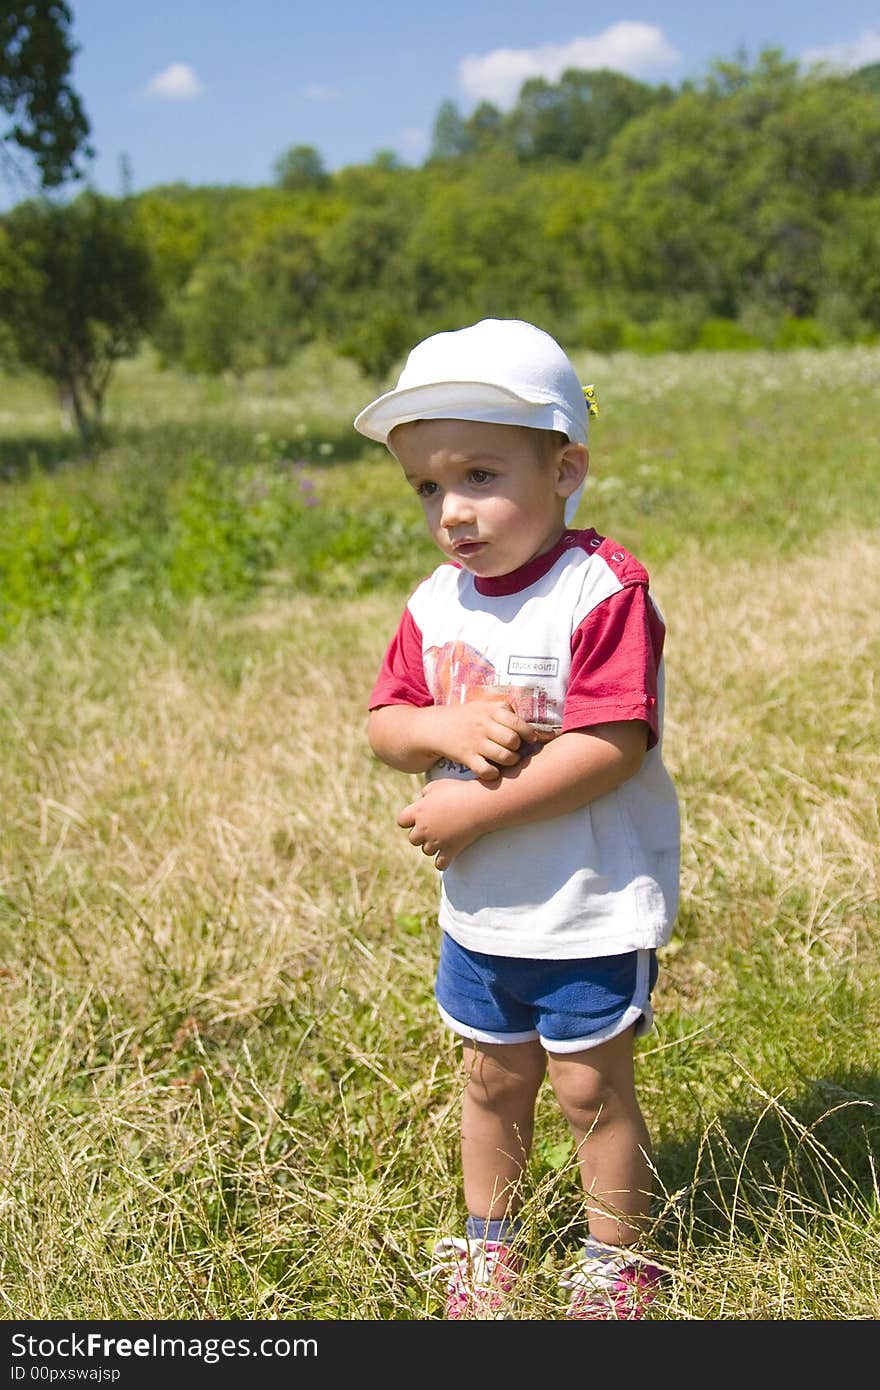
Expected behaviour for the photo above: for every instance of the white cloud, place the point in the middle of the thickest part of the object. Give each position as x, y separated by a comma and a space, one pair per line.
177, 82
855, 54
315, 91
630, 47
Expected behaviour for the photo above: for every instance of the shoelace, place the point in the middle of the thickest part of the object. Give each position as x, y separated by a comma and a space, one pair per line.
618, 1285
479, 1276
478, 1258
592, 1272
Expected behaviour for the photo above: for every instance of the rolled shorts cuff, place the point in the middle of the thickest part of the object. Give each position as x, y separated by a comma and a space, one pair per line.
483, 1034
642, 1017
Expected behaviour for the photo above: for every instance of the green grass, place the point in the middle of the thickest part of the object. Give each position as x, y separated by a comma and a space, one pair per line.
206, 489
226, 1093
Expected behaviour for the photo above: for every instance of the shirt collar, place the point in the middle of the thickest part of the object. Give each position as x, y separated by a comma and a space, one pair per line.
528, 573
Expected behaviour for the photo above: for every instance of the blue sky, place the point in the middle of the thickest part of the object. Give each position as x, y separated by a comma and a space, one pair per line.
207, 91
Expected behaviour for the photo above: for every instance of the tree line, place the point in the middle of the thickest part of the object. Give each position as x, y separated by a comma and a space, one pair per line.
740, 209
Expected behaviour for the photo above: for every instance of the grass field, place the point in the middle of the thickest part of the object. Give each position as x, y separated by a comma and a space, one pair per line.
225, 1090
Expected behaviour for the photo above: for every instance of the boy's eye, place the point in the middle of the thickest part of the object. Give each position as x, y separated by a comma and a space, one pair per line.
480, 475
426, 489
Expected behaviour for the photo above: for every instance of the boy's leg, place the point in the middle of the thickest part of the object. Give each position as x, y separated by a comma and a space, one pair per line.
497, 1120
596, 1091
497, 1123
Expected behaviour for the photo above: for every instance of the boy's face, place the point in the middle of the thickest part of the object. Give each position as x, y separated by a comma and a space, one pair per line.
493, 495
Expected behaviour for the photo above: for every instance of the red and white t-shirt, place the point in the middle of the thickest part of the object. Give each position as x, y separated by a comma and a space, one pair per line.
576, 639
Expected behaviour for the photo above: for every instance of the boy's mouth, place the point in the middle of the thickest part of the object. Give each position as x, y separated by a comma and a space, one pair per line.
466, 548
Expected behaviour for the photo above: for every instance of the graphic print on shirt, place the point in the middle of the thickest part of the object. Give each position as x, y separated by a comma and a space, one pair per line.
457, 672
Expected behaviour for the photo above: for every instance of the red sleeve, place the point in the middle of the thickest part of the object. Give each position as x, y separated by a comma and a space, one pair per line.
401, 680
615, 656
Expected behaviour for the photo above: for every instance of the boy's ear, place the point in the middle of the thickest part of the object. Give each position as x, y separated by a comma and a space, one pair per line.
572, 465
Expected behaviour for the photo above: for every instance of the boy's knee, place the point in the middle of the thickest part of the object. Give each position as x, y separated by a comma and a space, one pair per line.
585, 1094
504, 1073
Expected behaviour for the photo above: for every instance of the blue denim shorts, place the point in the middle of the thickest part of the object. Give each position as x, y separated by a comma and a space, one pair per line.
568, 1005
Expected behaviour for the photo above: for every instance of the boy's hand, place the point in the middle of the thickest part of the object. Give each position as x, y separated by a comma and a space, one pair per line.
484, 734
441, 822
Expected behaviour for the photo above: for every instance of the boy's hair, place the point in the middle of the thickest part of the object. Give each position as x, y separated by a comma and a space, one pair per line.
545, 441
500, 371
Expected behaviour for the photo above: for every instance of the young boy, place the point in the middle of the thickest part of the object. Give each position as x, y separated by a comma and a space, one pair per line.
526, 680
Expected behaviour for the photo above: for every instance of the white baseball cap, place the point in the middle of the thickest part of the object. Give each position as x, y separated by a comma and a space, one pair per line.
501, 371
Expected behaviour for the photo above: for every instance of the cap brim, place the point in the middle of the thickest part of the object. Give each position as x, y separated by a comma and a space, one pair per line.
458, 400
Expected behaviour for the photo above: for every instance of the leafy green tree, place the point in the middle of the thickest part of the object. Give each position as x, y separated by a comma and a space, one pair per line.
367, 306
284, 275
573, 119
740, 208
730, 191
240, 270
212, 320
449, 137
484, 127
849, 299
577, 117
478, 249
299, 167
867, 78
387, 159
178, 225
46, 117
77, 293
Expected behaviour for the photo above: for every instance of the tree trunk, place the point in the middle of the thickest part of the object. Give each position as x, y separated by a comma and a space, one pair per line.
83, 423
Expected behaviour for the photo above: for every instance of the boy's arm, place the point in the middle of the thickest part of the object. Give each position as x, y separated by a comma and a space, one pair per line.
480, 734
572, 770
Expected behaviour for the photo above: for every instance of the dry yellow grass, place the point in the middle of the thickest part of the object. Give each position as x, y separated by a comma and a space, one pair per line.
772, 727
206, 908
228, 765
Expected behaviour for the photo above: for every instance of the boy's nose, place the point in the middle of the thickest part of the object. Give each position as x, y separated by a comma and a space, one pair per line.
455, 511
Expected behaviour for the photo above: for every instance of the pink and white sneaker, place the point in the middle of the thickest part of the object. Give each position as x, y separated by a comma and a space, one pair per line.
482, 1276
616, 1287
